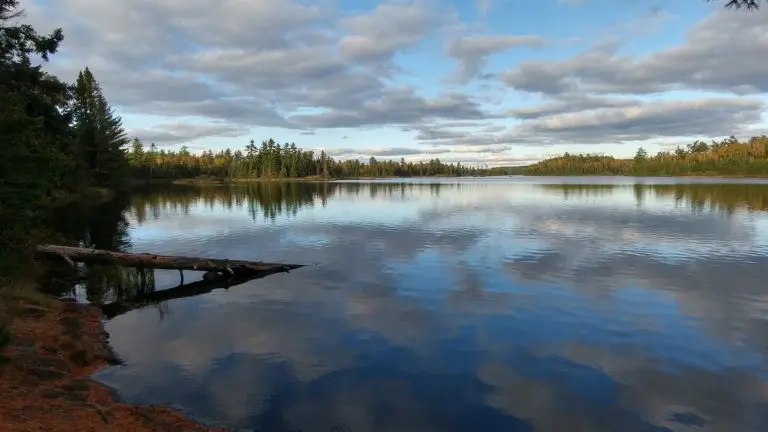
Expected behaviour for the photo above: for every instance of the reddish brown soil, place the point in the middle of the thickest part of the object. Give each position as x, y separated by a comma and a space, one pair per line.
44, 375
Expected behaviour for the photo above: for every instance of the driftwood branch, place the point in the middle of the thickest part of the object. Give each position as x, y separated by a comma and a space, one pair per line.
145, 260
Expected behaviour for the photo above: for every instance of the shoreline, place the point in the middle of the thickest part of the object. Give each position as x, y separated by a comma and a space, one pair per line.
46, 368
694, 175
225, 181
314, 179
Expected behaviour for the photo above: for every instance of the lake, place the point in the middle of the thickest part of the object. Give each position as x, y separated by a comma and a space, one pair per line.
501, 304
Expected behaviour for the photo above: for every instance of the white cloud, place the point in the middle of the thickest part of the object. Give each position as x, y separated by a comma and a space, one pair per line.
175, 133
472, 51
598, 121
389, 28
310, 66
726, 52
251, 63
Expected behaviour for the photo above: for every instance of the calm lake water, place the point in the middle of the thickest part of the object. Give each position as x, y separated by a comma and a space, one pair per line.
515, 304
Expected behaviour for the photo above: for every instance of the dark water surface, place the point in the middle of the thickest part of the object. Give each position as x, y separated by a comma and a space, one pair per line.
513, 304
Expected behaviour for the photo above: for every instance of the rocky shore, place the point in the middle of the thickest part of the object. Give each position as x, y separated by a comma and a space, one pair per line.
45, 371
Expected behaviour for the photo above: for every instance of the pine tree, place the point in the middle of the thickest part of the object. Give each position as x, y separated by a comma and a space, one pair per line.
100, 135
136, 156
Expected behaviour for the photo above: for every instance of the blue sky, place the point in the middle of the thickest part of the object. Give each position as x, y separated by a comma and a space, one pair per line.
495, 82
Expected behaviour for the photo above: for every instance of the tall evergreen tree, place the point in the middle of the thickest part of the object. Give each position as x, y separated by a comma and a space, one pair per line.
100, 135
136, 156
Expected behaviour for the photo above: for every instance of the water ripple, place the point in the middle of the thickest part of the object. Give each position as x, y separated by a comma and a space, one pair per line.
532, 304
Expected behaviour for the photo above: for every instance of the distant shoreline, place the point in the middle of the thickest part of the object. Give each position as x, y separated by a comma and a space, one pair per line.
223, 181
214, 181
692, 175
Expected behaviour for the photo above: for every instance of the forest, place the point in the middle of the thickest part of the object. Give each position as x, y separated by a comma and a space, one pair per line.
58, 138
272, 160
728, 157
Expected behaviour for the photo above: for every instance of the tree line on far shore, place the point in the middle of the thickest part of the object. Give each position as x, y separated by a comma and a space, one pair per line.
271, 160
728, 157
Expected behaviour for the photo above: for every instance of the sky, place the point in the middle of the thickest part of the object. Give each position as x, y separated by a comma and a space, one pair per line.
482, 82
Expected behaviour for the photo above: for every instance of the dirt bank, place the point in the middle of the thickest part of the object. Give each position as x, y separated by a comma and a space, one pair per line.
55, 346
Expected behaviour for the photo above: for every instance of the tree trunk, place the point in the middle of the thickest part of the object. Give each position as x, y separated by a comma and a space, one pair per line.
145, 260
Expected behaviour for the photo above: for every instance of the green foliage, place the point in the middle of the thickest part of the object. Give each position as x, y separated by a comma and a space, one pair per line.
729, 157
271, 160
99, 134
54, 138
30, 131
641, 155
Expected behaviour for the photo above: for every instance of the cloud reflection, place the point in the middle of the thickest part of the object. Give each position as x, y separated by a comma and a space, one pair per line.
595, 312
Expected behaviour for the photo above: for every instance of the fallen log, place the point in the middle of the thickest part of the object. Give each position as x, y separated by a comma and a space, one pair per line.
168, 262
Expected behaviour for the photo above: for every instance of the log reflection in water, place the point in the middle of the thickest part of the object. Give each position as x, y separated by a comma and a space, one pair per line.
113, 309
